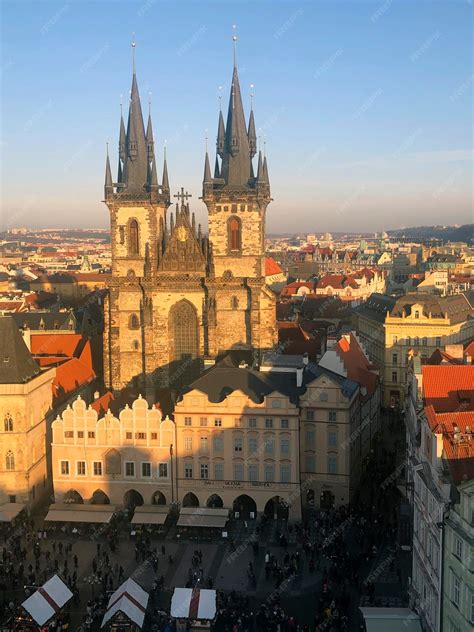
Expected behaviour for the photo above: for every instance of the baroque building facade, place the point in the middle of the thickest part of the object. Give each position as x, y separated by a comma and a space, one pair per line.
177, 297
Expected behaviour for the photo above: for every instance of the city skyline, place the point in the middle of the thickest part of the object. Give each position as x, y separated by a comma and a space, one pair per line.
347, 149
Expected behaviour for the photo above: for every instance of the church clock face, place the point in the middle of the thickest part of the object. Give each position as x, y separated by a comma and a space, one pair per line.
181, 233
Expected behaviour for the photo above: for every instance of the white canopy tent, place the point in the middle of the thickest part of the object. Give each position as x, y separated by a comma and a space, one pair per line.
150, 514
9, 511
63, 512
391, 619
129, 599
209, 517
187, 603
47, 600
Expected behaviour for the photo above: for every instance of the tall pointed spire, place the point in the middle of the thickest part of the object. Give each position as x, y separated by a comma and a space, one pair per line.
217, 173
136, 163
149, 138
252, 135
220, 135
207, 170
260, 167
165, 181
109, 185
265, 171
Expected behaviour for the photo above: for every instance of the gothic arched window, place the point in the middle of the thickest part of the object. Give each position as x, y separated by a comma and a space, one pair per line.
8, 423
183, 327
9, 460
133, 245
234, 233
133, 322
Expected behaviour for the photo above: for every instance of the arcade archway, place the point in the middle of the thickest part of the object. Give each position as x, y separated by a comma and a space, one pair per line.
190, 500
276, 507
215, 501
100, 498
245, 506
158, 498
132, 499
73, 497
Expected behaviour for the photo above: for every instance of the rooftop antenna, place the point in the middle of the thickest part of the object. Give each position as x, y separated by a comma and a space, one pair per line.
134, 44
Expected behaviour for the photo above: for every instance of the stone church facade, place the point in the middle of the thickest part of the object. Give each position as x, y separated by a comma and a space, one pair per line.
177, 297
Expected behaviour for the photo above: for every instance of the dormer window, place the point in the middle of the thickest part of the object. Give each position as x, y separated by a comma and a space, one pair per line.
417, 314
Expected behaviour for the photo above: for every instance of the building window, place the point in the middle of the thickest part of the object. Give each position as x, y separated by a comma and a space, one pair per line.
269, 473
188, 444
424, 341
285, 447
188, 421
276, 403
394, 358
253, 472
234, 233
68, 434
204, 470
90, 434
252, 445
252, 422
270, 446
80, 434
154, 436
218, 442
417, 314
310, 438
133, 245
438, 341
238, 444
129, 436
140, 435
323, 397
10, 460
133, 322
284, 423
218, 422
64, 465
204, 444
458, 548
456, 590
188, 470
203, 421
332, 439
268, 423
310, 463
8, 423
234, 302
162, 470
310, 415
218, 471
285, 473
129, 468
394, 377
81, 468
332, 464
395, 340
146, 470
238, 471
332, 415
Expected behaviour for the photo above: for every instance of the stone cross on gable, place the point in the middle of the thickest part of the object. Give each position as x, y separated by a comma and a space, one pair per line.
181, 195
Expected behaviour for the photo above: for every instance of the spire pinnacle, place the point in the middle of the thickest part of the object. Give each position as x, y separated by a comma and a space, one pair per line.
234, 39
108, 185
165, 180
134, 44
207, 170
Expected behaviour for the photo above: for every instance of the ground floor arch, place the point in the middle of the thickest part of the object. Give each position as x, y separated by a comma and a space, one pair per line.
158, 498
215, 501
132, 499
277, 507
190, 500
99, 497
245, 506
73, 497
326, 499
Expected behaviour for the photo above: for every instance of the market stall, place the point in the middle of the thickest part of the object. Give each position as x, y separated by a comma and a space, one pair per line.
9, 511
150, 514
46, 604
207, 517
126, 608
193, 609
64, 512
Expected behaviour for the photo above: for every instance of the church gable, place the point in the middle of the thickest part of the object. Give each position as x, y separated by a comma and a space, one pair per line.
182, 249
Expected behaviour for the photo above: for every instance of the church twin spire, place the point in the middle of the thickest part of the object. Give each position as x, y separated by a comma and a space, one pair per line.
137, 168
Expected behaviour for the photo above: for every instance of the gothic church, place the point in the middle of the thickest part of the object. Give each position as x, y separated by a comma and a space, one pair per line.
178, 298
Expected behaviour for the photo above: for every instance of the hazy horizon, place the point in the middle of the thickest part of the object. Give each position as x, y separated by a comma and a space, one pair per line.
366, 108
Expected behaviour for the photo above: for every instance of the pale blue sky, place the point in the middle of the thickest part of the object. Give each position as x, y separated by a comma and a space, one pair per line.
366, 106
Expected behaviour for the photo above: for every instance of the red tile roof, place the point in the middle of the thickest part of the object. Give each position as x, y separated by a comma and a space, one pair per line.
271, 267
448, 386
71, 375
55, 344
357, 365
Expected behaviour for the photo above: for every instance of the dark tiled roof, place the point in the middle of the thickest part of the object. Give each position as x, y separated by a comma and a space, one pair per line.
51, 320
456, 307
376, 307
16, 364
